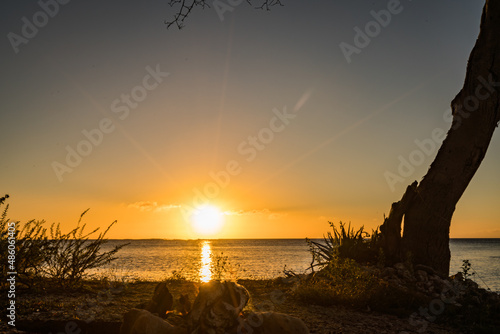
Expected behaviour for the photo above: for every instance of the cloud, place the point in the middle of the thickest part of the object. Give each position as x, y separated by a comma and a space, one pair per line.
152, 206
255, 212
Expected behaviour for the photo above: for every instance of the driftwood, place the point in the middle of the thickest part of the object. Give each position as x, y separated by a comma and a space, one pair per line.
216, 310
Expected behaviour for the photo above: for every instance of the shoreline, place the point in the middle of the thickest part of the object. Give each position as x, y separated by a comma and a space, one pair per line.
247, 239
106, 302
261, 261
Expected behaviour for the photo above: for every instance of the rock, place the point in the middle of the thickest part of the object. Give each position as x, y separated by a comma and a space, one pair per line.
138, 321
388, 272
292, 280
421, 286
400, 266
404, 273
458, 277
452, 291
161, 302
438, 282
183, 304
216, 310
272, 323
217, 307
427, 269
406, 276
62, 326
471, 284
476, 300
421, 275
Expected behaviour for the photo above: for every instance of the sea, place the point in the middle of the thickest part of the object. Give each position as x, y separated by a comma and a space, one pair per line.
158, 259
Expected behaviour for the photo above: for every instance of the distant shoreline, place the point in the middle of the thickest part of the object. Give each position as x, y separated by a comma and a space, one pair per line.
237, 239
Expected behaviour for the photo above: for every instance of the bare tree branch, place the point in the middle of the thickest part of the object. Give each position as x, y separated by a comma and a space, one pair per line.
269, 3
184, 7
183, 12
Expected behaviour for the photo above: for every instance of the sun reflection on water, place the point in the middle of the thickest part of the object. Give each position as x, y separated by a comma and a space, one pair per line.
206, 260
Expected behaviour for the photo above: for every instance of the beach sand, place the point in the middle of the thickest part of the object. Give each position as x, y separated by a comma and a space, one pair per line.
107, 303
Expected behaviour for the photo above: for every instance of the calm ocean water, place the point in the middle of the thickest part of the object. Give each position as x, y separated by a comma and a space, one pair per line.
265, 258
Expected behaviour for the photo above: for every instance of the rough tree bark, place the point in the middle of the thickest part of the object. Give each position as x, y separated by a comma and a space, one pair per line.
476, 112
391, 228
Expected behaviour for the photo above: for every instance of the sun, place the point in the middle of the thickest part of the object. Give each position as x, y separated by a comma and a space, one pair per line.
207, 220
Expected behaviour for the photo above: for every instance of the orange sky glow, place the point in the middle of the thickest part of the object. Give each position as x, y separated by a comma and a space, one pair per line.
268, 122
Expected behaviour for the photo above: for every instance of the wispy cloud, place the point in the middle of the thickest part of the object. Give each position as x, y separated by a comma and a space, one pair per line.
152, 206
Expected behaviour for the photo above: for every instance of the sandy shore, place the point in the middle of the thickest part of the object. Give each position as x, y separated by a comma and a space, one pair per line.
99, 302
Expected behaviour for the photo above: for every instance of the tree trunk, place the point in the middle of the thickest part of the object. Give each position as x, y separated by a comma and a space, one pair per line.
476, 113
391, 228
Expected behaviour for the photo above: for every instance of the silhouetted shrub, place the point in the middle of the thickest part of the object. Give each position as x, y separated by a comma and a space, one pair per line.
345, 243
341, 281
63, 258
222, 269
341, 278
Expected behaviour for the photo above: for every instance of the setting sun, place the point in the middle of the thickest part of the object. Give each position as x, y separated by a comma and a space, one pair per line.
207, 220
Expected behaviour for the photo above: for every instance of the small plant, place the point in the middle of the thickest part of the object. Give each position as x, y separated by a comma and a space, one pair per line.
466, 268
218, 266
221, 269
344, 243
3, 198
31, 247
176, 275
342, 281
109, 275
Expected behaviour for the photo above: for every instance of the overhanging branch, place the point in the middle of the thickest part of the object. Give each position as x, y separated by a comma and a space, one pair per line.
185, 7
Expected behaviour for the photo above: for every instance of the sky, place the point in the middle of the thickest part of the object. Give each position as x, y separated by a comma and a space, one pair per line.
282, 120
